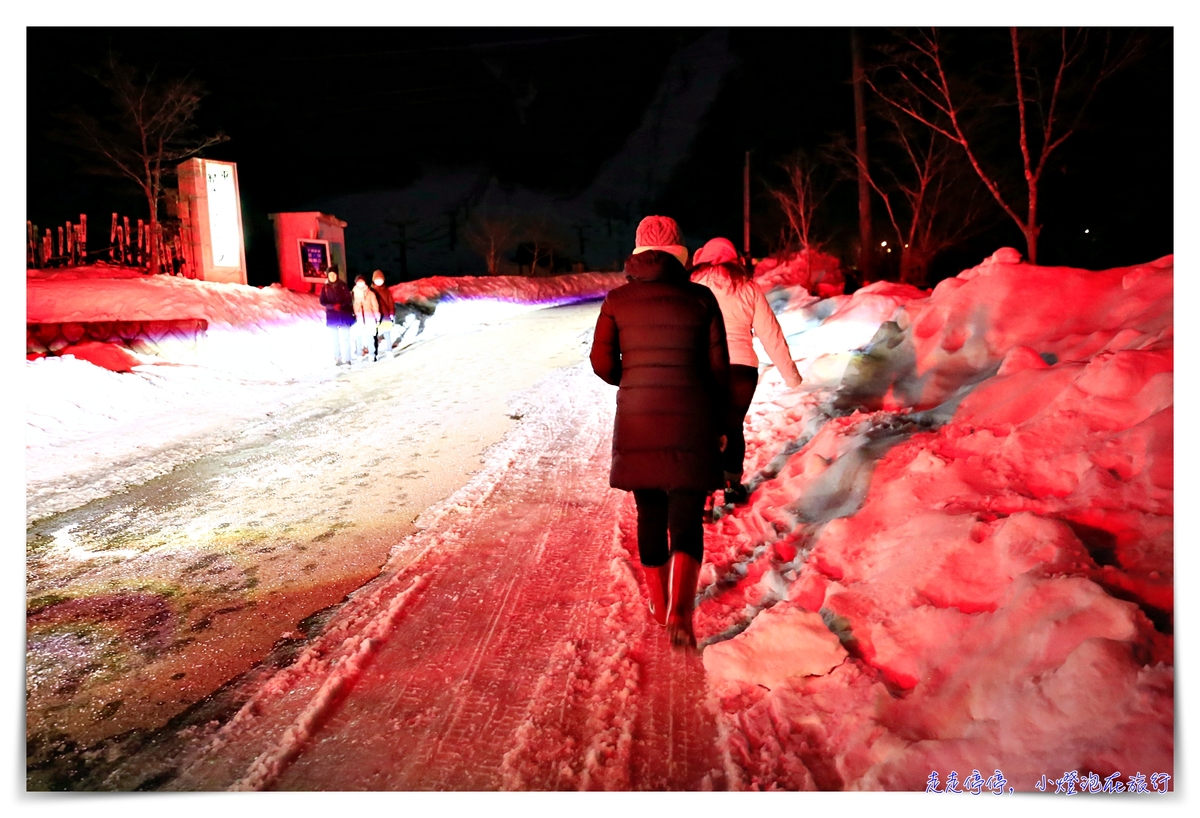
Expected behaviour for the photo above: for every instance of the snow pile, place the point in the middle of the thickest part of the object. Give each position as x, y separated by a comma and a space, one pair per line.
276, 333
998, 567
546, 291
101, 414
971, 322
113, 357
65, 297
825, 334
817, 272
781, 645
260, 333
84, 271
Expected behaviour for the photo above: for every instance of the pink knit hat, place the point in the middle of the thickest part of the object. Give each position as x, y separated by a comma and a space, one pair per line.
715, 251
660, 233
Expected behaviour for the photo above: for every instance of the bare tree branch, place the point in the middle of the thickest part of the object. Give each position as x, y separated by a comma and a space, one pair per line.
800, 198
150, 128
923, 92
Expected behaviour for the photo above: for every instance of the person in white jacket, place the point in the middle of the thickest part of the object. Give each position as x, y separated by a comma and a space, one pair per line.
366, 316
747, 314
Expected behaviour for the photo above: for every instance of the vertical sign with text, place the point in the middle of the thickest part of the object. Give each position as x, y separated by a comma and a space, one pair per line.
223, 232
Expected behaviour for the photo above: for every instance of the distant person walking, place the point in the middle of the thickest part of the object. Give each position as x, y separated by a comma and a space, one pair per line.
339, 314
419, 309
387, 313
661, 340
747, 315
366, 317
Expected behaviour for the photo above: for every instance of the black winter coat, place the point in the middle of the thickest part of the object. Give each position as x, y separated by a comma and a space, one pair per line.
338, 304
661, 339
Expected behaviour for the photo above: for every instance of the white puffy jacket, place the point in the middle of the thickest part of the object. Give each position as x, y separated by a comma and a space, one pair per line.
747, 314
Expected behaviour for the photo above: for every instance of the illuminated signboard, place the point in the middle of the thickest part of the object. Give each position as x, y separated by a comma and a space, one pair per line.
223, 233
314, 258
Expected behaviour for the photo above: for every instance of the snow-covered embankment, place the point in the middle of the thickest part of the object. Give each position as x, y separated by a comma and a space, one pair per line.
980, 506
91, 431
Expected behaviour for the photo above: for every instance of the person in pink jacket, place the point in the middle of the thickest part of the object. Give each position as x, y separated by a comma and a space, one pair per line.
747, 314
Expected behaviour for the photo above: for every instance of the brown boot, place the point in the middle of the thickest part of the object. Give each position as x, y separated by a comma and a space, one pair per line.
657, 578
685, 573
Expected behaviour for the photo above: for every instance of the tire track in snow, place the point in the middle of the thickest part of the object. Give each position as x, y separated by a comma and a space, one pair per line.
514, 652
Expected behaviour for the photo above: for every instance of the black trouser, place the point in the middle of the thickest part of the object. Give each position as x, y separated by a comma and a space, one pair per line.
742, 382
679, 512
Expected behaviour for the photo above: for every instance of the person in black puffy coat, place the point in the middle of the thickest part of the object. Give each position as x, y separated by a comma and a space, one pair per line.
661, 339
339, 314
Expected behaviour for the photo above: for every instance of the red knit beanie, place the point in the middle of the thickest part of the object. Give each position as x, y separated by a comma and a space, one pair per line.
657, 231
660, 233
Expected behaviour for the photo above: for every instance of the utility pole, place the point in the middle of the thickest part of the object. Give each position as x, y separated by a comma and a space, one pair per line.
746, 208
579, 229
452, 233
866, 252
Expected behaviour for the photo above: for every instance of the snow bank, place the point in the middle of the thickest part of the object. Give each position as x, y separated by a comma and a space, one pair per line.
969, 323
260, 333
273, 332
998, 567
530, 290
262, 347
112, 357
64, 298
819, 273
826, 339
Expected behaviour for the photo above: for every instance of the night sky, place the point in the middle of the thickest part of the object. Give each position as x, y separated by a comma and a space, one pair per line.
315, 114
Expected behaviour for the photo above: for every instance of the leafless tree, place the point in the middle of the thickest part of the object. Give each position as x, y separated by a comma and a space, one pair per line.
1049, 111
151, 129
543, 236
799, 197
490, 235
930, 204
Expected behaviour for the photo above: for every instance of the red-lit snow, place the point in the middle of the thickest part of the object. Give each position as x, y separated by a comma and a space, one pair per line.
91, 431
817, 272
993, 566
524, 289
957, 556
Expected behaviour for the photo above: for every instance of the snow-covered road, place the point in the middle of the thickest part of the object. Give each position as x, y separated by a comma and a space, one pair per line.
505, 647
144, 602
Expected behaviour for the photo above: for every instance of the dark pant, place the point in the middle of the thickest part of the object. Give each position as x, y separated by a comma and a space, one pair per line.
679, 512
742, 382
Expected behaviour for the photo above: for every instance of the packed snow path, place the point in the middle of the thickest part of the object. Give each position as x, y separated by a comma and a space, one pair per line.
143, 603
513, 652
